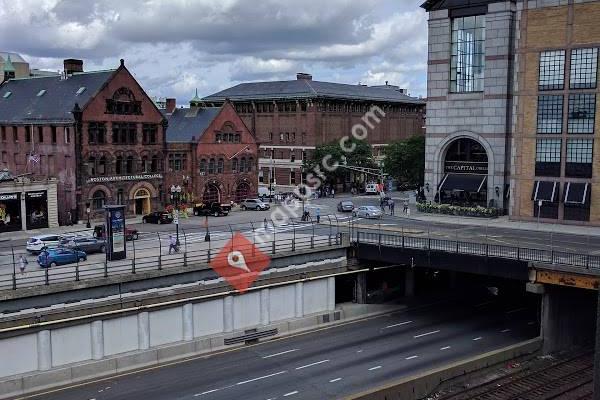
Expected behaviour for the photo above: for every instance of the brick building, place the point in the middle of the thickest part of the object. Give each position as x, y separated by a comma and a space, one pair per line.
290, 118
211, 153
96, 133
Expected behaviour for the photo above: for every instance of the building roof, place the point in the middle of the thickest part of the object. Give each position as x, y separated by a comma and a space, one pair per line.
188, 124
8, 65
309, 89
26, 102
15, 57
430, 5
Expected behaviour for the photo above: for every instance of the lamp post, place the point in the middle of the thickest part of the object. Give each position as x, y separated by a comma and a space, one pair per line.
207, 236
87, 211
175, 193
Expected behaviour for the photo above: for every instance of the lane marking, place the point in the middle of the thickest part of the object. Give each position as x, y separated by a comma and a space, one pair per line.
399, 324
445, 348
411, 357
374, 368
505, 330
478, 338
426, 334
313, 364
207, 392
335, 380
516, 310
260, 377
290, 393
484, 304
282, 353
359, 351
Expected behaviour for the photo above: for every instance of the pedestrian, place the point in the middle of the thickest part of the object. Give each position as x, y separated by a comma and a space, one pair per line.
405, 207
69, 218
382, 205
333, 193
318, 214
173, 244
391, 204
265, 224
23, 263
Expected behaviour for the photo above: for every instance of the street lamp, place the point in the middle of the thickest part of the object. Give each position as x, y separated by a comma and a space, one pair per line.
87, 211
175, 194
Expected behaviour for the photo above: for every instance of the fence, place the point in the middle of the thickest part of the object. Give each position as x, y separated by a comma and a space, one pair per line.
150, 251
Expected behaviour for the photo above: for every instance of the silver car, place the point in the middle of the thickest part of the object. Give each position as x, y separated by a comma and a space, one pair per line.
367, 212
254, 204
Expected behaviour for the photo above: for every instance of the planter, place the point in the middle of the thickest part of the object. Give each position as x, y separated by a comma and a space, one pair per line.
447, 209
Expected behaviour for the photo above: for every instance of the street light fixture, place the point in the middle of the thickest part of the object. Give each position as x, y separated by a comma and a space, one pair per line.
175, 196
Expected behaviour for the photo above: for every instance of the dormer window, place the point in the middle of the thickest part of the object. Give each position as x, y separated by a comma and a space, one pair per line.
41, 93
81, 90
7, 95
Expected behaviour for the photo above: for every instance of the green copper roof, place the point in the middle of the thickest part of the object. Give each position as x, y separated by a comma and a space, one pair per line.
8, 65
196, 99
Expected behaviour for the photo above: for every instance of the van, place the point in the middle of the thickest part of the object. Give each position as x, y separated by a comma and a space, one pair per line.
263, 192
371, 188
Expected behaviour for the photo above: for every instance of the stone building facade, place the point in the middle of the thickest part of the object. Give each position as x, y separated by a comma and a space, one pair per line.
290, 118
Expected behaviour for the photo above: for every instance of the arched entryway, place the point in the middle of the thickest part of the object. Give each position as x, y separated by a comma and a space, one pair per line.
212, 194
242, 191
142, 204
465, 174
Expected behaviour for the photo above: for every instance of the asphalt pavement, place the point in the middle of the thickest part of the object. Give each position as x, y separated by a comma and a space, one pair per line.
329, 363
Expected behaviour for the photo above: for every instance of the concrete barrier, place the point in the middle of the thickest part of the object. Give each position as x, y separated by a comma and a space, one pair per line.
423, 384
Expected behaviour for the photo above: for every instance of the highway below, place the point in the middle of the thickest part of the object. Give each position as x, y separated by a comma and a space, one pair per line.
329, 363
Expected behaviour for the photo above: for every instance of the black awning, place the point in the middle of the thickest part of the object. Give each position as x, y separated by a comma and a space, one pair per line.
545, 191
576, 193
465, 182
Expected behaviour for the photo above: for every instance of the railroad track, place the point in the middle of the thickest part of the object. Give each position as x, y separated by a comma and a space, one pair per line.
569, 379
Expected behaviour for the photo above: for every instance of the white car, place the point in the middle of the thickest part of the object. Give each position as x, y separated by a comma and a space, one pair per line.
371, 188
36, 244
367, 212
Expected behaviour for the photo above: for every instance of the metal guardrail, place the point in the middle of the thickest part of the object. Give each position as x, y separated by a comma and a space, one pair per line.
150, 251
553, 256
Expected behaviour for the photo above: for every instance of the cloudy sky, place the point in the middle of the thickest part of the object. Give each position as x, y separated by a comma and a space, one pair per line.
176, 46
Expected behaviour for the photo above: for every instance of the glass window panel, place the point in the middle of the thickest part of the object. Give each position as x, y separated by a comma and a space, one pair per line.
584, 68
580, 151
550, 114
468, 53
582, 113
548, 150
552, 70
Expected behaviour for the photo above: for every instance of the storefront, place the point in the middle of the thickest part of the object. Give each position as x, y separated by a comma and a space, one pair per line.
26, 204
10, 212
36, 206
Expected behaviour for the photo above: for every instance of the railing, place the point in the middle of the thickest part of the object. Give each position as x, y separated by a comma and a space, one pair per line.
150, 252
551, 256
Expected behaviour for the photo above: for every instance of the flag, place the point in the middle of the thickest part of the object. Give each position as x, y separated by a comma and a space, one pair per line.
34, 158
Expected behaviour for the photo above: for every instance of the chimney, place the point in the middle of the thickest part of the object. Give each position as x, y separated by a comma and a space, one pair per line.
72, 65
303, 75
171, 105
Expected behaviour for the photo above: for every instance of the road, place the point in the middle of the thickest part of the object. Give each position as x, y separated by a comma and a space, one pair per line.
329, 363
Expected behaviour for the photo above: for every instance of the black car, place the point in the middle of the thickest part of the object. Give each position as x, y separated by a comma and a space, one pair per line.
157, 217
345, 206
214, 208
84, 243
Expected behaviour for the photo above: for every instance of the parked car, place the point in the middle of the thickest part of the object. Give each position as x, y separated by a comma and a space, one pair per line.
157, 217
60, 256
345, 206
371, 188
367, 212
130, 233
254, 204
214, 208
84, 243
36, 244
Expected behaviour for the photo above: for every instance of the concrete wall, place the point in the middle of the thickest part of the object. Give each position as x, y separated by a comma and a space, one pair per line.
181, 323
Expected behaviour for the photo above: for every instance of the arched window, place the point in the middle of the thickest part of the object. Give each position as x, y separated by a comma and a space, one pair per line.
237, 138
203, 166
250, 164
119, 165
211, 166
230, 137
120, 197
129, 164
234, 165
92, 166
102, 166
98, 200
220, 166
145, 164
243, 164
154, 165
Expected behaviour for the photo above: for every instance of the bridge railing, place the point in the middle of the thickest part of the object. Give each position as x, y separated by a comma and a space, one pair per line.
151, 251
551, 256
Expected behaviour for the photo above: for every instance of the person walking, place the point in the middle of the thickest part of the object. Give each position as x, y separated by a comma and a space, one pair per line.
266, 225
318, 214
173, 244
23, 263
405, 207
333, 193
391, 204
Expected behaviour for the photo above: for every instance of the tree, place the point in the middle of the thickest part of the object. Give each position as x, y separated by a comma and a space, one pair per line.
405, 160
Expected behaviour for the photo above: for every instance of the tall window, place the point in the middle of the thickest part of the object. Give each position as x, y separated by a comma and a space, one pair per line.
552, 70
582, 112
243, 164
292, 177
250, 164
548, 150
211, 166
129, 165
145, 164
220, 166
119, 165
98, 200
177, 161
96, 132
468, 54
102, 166
124, 133
91, 166
234, 165
202, 167
550, 114
154, 163
149, 133
579, 151
584, 68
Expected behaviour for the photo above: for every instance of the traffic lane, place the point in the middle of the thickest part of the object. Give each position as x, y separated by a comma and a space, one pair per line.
250, 371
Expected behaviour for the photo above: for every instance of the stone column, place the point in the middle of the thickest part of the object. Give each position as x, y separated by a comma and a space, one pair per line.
331, 293
23, 212
409, 282
143, 331
228, 314
188, 321
361, 288
265, 315
299, 303
97, 340
44, 350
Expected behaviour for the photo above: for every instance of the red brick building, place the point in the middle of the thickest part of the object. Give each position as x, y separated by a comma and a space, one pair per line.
211, 153
290, 118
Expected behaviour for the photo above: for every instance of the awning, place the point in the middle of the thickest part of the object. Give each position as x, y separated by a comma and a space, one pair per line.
545, 191
466, 182
576, 193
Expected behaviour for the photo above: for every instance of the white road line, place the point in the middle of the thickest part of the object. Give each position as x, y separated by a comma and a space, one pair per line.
426, 334
207, 392
516, 310
505, 330
411, 357
261, 377
313, 364
335, 380
484, 304
282, 353
359, 351
290, 393
445, 348
395, 325
478, 338
374, 368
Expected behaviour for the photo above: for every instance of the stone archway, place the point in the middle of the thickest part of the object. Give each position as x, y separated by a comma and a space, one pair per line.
242, 191
212, 193
141, 205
